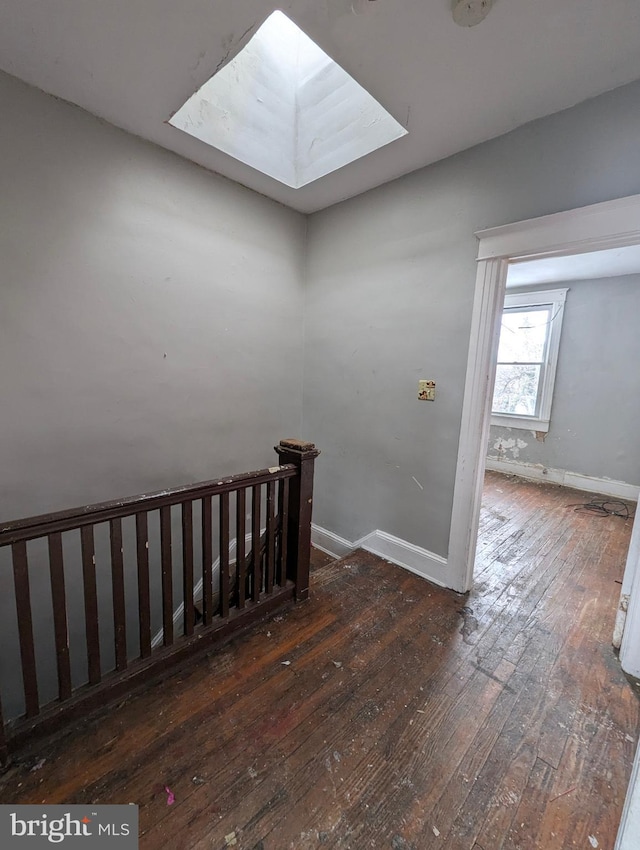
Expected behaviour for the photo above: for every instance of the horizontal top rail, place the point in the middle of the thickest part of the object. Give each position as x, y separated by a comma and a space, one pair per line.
39, 526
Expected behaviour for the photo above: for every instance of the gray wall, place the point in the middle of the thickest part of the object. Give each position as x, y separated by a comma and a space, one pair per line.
150, 332
389, 297
596, 400
150, 314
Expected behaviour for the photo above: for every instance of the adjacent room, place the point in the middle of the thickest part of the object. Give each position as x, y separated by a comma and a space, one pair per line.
231, 227
563, 380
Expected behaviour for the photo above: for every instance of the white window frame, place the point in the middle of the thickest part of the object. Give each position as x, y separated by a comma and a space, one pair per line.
555, 298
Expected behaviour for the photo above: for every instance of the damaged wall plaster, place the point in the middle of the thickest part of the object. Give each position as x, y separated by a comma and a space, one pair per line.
512, 445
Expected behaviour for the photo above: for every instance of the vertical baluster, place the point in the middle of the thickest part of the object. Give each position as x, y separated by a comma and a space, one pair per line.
255, 542
92, 631
207, 562
117, 588
187, 567
25, 627
283, 510
271, 536
144, 597
58, 597
241, 554
224, 554
167, 577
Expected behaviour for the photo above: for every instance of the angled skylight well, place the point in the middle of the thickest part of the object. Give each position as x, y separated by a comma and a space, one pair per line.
284, 107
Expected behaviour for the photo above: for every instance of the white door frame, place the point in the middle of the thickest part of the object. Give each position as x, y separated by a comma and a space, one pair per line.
612, 224
630, 647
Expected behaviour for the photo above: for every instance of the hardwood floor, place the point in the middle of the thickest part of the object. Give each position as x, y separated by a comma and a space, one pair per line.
386, 712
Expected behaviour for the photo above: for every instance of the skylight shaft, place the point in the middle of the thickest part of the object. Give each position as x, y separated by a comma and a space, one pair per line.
285, 108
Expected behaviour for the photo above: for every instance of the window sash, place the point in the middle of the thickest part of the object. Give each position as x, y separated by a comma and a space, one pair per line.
534, 373
551, 304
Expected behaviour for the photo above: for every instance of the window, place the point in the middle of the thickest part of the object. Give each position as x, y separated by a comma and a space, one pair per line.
527, 359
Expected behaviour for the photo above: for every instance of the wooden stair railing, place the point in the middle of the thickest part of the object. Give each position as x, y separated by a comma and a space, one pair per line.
235, 595
274, 571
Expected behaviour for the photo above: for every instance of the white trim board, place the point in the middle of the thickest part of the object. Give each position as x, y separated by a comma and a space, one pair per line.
537, 472
330, 543
609, 224
414, 558
628, 837
630, 645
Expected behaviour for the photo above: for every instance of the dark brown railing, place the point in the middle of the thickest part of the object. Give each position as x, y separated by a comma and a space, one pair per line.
270, 567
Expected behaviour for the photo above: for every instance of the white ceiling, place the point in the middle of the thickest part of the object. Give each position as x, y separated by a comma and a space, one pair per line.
135, 62
596, 264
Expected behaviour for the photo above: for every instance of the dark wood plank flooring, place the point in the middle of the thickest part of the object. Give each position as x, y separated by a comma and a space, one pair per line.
386, 712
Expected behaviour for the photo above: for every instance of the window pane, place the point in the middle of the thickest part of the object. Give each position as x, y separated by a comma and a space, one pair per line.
516, 390
523, 334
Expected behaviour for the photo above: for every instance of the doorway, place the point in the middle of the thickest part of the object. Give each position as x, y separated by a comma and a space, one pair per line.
605, 226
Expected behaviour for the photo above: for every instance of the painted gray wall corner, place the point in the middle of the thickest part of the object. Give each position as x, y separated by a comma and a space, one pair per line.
151, 320
389, 296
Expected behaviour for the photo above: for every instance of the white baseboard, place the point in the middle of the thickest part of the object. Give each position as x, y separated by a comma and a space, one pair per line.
537, 472
329, 542
413, 558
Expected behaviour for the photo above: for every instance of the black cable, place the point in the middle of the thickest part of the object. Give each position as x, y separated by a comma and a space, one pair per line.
603, 507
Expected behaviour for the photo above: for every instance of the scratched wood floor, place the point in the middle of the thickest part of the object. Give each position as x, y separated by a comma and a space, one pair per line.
387, 713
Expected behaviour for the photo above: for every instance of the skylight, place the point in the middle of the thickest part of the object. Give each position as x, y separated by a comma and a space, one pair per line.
284, 107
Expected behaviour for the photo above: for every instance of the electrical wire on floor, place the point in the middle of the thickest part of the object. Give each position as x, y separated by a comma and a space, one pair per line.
603, 507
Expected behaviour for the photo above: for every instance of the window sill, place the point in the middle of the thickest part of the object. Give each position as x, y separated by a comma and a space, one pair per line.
526, 423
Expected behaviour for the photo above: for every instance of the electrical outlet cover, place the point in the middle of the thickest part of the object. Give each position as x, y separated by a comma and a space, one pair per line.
426, 390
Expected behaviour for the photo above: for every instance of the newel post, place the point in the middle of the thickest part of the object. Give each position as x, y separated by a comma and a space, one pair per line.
303, 455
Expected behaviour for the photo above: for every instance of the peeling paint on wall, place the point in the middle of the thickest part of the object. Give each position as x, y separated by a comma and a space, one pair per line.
513, 445
621, 616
